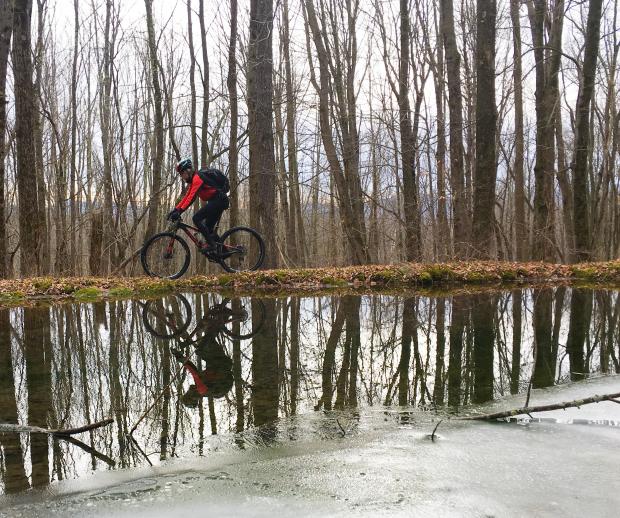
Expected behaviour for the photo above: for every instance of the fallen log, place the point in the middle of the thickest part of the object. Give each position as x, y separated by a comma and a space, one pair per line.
18, 428
543, 408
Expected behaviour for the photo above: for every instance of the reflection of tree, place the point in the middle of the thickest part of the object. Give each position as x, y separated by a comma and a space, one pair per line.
409, 328
580, 311
483, 313
517, 323
352, 305
608, 313
237, 374
458, 321
14, 474
114, 358
557, 326
346, 383
544, 364
37, 348
438, 389
329, 360
265, 394
74, 328
295, 323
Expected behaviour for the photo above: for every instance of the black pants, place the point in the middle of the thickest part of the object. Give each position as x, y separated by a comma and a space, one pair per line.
206, 218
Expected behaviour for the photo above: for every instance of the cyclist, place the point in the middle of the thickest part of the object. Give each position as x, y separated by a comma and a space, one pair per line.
206, 217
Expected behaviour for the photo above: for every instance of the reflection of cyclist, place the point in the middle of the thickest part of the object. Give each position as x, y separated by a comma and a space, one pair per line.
216, 379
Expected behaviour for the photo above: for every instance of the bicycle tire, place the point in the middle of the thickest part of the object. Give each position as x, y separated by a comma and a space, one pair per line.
154, 256
161, 331
243, 250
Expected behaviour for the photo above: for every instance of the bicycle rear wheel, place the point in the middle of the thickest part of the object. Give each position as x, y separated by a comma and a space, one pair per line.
165, 255
243, 250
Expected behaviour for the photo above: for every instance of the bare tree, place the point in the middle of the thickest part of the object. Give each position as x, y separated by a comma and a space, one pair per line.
336, 78
547, 59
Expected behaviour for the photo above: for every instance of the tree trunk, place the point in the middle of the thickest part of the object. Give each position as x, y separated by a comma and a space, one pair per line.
158, 154
297, 231
73, 232
24, 138
547, 67
412, 217
455, 106
192, 82
233, 153
260, 125
581, 209
105, 103
345, 174
6, 29
485, 173
42, 231
521, 233
443, 238
204, 133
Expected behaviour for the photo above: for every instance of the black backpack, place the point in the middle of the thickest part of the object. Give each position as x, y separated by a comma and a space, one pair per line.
215, 178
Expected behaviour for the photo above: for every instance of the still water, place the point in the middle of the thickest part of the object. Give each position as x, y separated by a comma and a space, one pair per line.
177, 371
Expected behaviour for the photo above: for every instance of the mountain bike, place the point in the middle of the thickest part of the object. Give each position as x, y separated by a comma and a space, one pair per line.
167, 255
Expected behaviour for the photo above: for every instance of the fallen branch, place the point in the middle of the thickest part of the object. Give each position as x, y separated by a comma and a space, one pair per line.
542, 408
435, 429
86, 448
18, 428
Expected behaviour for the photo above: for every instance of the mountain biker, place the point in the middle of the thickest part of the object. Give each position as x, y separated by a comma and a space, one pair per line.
207, 216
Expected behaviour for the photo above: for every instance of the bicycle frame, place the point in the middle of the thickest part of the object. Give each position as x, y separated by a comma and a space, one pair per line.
188, 229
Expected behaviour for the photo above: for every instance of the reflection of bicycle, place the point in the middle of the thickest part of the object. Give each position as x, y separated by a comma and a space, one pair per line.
171, 316
166, 254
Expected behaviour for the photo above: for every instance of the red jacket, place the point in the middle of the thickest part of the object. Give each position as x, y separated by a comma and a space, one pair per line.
197, 187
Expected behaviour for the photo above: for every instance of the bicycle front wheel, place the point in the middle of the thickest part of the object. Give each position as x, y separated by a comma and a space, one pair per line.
165, 255
167, 317
243, 250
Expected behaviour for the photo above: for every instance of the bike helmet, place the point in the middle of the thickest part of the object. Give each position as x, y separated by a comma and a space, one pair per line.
184, 164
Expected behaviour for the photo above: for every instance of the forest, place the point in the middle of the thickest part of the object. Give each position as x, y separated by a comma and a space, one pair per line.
352, 132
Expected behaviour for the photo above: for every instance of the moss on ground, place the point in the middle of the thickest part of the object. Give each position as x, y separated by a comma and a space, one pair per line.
88, 293
120, 292
12, 296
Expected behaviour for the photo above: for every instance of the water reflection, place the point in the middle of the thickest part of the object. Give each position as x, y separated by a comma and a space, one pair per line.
177, 369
